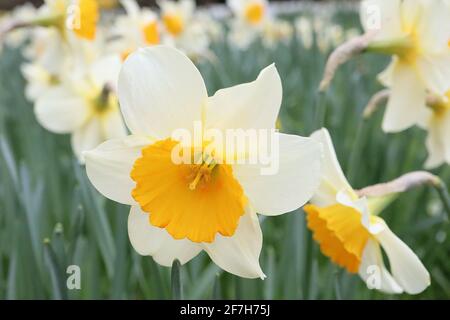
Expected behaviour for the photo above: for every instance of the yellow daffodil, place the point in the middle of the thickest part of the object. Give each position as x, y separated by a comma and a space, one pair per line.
180, 209
416, 34
351, 234
138, 28
84, 104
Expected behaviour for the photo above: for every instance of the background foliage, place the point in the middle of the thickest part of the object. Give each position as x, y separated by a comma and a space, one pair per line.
45, 195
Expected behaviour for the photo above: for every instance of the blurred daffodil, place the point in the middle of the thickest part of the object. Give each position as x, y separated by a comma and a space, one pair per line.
351, 234
178, 210
84, 104
416, 34
138, 28
183, 29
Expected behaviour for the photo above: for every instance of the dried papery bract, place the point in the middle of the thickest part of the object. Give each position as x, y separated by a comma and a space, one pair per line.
401, 184
374, 102
342, 54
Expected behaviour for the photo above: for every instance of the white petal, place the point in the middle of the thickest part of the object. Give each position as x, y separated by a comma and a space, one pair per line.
109, 166
293, 180
435, 71
435, 143
333, 179
382, 16
373, 271
239, 254
434, 26
407, 269
148, 240
105, 71
113, 126
387, 75
87, 137
406, 100
251, 105
160, 90
61, 111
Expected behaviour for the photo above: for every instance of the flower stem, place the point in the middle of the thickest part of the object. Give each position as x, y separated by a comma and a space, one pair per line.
442, 190
177, 285
320, 109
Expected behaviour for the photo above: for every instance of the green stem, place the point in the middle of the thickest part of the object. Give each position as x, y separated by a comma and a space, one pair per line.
442, 190
353, 158
177, 284
320, 108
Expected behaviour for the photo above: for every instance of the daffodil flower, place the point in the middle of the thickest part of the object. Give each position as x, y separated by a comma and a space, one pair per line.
85, 105
184, 28
178, 210
351, 234
250, 17
138, 28
416, 34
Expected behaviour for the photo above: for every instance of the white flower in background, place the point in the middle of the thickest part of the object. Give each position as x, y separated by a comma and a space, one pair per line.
276, 31
248, 22
305, 31
416, 34
24, 12
351, 235
182, 29
436, 120
39, 80
85, 105
178, 210
138, 28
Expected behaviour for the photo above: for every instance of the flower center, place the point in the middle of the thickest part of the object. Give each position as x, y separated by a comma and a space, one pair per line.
340, 234
104, 102
85, 24
174, 23
254, 12
440, 106
151, 33
194, 201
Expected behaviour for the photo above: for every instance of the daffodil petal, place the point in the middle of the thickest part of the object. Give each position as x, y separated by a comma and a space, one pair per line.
434, 29
113, 126
109, 166
435, 144
373, 271
106, 70
290, 184
160, 90
148, 240
87, 137
239, 254
382, 16
407, 98
61, 111
435, 70
251, 105
407, 269
333, 179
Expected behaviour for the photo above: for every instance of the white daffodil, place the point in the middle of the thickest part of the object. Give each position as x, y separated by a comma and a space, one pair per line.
250, 17
178, 210
276, 31
138, 28
436, 120
182, 29
85, 105
305, 31
38, 79
24, 12
416, 33
351, 235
